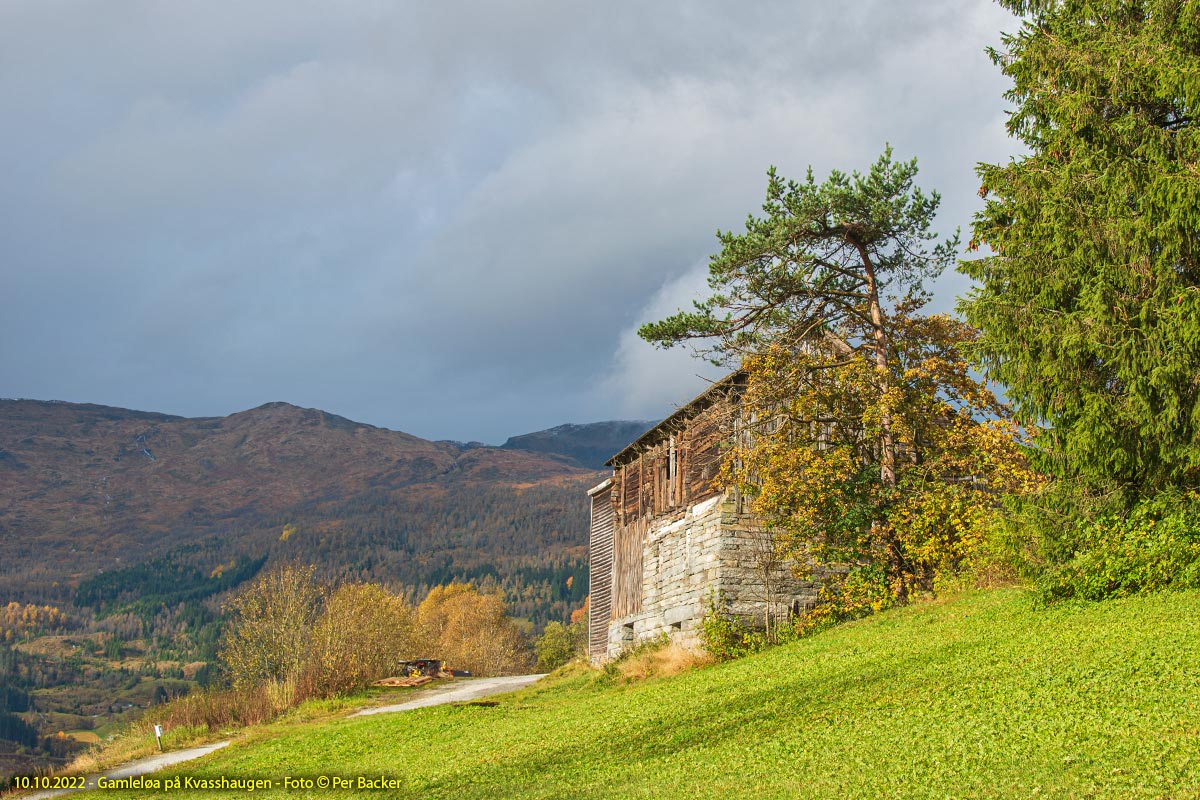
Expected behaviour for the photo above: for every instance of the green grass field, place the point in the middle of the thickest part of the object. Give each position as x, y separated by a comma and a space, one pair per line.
981, 696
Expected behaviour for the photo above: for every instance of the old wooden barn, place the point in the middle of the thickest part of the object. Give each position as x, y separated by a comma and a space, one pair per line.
666, 534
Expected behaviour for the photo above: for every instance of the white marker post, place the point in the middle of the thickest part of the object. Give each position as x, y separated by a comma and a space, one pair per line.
158, 736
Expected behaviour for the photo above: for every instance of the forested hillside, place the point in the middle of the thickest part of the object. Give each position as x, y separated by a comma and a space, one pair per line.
96, 501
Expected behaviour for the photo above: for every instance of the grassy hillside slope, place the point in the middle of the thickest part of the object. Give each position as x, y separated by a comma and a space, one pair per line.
981, 696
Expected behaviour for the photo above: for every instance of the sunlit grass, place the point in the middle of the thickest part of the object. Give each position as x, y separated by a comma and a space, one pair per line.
981, 696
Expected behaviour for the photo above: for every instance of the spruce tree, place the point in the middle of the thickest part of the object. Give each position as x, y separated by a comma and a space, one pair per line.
1089, 303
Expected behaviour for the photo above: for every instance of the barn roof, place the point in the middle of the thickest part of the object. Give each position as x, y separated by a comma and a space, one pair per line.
688, 409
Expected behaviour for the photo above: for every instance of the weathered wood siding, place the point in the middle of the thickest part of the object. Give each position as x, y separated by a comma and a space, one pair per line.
679, 469
675, 468
600, 570
704, 446
629, 542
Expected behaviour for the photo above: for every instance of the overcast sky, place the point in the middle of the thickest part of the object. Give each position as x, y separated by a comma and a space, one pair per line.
445, 218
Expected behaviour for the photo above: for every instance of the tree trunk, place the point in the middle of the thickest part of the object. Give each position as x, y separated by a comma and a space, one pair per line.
897, 566
887, 467
767, 609
887, 442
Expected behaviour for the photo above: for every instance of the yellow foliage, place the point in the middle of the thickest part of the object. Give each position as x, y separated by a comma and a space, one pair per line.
811, 461
270, 626
362, 634
469, 630
18, 621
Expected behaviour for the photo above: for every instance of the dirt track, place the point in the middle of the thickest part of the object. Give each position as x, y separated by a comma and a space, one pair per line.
455, 692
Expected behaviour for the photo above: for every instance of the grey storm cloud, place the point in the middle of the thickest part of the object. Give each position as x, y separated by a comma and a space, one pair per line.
445, 218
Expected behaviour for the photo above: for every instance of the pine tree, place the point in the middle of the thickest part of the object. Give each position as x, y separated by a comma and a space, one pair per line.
824, 259
1090, 302
816, 293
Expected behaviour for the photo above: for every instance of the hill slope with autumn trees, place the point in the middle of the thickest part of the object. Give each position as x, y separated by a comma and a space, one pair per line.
125, 534
103, 499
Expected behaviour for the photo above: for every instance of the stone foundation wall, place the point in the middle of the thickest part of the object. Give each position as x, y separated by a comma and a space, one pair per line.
680, 565
745, 548
691, 555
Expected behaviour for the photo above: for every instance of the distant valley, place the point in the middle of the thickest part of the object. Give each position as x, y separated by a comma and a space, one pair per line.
121, 533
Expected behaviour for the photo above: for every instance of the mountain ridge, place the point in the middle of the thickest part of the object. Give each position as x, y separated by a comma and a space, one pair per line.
590, 444
86, 487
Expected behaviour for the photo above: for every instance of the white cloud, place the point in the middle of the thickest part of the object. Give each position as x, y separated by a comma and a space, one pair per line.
645, 382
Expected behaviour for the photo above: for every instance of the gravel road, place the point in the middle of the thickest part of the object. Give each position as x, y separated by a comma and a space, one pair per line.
457, 692
139, 767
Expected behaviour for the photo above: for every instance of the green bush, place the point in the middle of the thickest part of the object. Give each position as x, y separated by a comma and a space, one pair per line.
559, 644
724, 636
858, 592
1156, 546
1040, 530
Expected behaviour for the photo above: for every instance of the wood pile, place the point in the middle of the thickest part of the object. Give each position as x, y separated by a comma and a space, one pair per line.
414, 680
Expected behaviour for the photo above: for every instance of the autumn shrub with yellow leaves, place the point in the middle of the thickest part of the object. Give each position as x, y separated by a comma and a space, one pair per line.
470, 630
361, 635
307, 640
